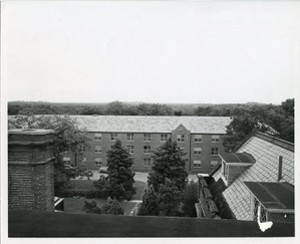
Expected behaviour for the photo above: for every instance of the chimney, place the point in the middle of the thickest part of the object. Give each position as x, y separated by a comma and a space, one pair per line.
280, 169
30, 170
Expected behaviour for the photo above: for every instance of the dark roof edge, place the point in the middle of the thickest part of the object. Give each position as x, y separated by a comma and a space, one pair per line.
272, 139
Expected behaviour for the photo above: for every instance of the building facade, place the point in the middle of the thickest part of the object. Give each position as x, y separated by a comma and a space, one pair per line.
200, 138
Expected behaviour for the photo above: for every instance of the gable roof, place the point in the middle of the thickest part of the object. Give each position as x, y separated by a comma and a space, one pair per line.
153, 124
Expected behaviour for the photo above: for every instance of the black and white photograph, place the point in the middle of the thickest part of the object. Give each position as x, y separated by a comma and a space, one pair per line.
149, 119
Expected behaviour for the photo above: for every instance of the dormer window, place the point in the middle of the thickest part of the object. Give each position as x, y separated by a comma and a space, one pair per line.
234, 164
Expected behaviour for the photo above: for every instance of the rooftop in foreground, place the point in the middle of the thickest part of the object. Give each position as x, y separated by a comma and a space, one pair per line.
49, 224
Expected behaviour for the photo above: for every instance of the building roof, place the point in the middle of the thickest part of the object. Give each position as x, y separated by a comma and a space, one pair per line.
30, 131
266, 152
237, 157
273, 195
153, 124
49, 224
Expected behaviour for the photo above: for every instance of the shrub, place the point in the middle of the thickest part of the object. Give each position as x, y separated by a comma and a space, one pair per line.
112, 207
149, 205
102, 186
91, 207
81, 193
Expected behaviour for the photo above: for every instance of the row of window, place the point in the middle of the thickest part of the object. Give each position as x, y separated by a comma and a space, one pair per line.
147, 149
130, 137
163, 137
198, 138
147, 162
197, 164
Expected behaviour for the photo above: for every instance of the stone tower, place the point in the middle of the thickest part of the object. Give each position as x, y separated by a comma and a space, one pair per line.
30, 170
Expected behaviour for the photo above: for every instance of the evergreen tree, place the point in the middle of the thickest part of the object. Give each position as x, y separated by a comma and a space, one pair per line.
168, 199
168, 164
149, 206
190, 197
120, 176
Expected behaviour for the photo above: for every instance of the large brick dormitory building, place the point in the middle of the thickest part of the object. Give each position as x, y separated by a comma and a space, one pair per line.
199, 137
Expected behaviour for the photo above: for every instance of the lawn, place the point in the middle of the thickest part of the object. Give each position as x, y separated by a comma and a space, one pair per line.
82, 184
75, 205
88, 185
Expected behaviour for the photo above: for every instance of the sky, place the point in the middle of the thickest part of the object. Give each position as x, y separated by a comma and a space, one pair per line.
162, 52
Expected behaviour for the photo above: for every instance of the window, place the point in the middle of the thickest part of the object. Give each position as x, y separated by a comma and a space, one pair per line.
163, 137
215, 139
66, 160
98, 161
98, 136
147, 162
130, 149
213, 164
147, 149
147, 137
113, 136
197, 150
197, 164
198, 138
98, 149
214, 151
130, 137
180, 138
182, 149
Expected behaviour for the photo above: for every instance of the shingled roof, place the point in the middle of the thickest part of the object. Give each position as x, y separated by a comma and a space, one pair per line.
266, 151
153, 124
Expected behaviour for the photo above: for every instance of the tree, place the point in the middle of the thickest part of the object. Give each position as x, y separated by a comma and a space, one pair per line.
237, 130
91, 207
190, 197
120, 176
112, 206
168, 164
288, 106
169, 198
67, 137
103, 186
149, 206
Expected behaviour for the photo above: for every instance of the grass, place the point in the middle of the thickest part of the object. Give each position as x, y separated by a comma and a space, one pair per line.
140, 188
88, 185
75, 205
82, 184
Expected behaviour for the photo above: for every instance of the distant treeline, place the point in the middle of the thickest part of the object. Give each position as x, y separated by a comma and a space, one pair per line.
120, 108
279, 117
